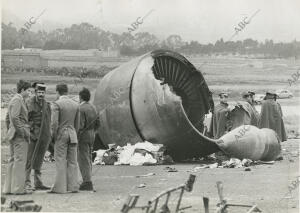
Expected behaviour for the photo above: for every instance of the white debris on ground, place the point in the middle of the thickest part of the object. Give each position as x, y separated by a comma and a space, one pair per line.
231, 163
99, 156
142, 153
48, 157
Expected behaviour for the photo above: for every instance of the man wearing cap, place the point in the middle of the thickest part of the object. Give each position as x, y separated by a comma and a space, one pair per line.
252, 103
220, 117
39, 117
65, 124
250, 100
244, 112
271, 116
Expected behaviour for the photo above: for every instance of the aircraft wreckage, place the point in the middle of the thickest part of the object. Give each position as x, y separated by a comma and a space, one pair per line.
162, 98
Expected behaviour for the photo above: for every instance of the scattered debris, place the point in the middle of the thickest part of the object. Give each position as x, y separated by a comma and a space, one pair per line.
247, 162
232, 163
264, 162
247, 169
99, 156
142, 185
142, 153
20, 206
48, 157
147, 175
152, 205
110, 156
221, 207
170, 169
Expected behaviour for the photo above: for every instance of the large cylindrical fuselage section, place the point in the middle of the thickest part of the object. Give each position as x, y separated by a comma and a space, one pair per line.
159, 97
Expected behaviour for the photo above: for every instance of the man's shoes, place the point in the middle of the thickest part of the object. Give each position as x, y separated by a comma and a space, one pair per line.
29, 187
7, 193
52, 192
26, 192
86, 186
42, 187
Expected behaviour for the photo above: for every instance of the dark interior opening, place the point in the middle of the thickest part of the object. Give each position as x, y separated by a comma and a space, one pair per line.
188, 83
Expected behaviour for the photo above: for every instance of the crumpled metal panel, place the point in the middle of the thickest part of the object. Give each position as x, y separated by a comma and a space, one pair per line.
159, 97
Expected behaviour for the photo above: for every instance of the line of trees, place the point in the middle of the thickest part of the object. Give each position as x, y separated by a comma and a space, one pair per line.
86, 36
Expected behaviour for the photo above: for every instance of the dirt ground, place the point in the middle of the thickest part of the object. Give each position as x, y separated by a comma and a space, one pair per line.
265, 185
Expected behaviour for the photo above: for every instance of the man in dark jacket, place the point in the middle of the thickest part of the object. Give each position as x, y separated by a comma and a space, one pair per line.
86, 137
220, 118
250, 115
271, 116
251, 101
39, 117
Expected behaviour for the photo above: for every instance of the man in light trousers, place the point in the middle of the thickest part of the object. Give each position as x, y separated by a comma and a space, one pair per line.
19, 137
65, 124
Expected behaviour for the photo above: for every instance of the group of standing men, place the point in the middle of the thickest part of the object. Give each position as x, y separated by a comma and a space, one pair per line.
33, 123
226, 118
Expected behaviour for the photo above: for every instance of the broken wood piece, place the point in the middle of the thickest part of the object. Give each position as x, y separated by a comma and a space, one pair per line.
130, 203
206, 204
254, 208
190, 183
220, 191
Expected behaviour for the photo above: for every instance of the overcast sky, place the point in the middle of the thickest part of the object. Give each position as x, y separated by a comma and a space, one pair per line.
201, 20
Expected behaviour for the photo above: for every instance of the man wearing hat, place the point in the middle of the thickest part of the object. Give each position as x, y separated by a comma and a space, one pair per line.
271, 116
39, 117
248, 105
220, 117
251, 97
244, 112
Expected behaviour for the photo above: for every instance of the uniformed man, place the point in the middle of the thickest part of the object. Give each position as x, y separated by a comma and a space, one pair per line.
220, 124
250, 107
244, 113
39, 117
271, 116
251, 101
18, 135
86, 137
65, 125
220, 117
